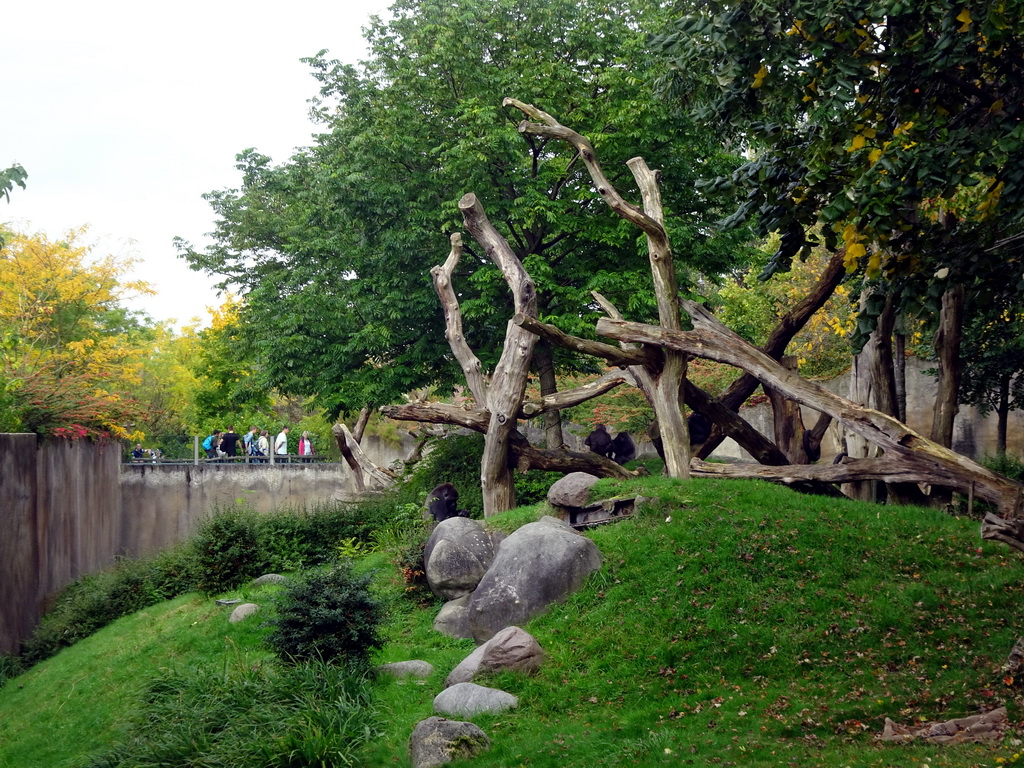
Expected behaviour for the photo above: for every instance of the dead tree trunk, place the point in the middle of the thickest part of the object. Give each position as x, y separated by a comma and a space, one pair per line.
666, 381
909, 457
359, 462
545, 365
788, 421
504, 395
788, 327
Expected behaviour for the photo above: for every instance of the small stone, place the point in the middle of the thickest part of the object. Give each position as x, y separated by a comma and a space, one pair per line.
243, 611
403, 669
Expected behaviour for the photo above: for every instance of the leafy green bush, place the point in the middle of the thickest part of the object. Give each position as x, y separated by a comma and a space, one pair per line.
228, 550
1004, 464
328, 615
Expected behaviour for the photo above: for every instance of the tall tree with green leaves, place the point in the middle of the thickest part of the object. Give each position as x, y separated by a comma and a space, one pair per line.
896, 125
333, 248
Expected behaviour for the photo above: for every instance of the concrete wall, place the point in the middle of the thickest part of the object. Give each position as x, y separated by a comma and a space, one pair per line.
70, 508
163, 505
59, 519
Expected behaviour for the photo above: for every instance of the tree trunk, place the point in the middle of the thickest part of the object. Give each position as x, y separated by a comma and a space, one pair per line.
947, 352
361, 422
1002, 413
900, 371
507, 388
788, 421
359, 462
925, 458
543, 360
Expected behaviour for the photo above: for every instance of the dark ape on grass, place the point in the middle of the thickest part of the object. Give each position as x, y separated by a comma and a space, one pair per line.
599, 441
623, 448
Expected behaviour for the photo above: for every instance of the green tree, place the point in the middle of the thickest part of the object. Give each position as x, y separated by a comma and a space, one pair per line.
896, 125
335, 245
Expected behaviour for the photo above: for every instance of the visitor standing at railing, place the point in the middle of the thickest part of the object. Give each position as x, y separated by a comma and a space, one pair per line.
262, 446
305, 447
229, 442
281, 442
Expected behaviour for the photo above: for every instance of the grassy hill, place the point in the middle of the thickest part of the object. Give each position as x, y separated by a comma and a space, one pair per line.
733, 623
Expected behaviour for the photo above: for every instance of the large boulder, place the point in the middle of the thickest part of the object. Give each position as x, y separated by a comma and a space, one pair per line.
416, 669
456, 557
573, 490
539, 564
468, 699
453, 618
512, 648
436, 741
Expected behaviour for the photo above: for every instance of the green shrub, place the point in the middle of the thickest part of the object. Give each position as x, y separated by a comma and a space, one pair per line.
1004, 464
328, 615
228, 550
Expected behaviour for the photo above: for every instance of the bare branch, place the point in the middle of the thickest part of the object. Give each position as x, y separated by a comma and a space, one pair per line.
470, 363
612, 354
571, 397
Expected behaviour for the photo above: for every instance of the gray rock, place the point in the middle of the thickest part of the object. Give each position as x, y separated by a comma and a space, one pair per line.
453, 618
436, 741
573, 490
270, 578
420, 670
541, 563
228, 601
468, 699
456, 557
512, 648
243, 611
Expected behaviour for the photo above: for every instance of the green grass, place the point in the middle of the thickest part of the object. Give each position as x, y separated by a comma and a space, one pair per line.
733, 623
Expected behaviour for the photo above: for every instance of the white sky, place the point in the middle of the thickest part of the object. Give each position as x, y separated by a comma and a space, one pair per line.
125, 113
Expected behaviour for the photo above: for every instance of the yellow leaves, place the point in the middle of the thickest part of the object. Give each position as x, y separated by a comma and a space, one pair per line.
874, 156
997, 107
854, 253
964, 17
903, 128
759, 77
990, 201
855, 249
859, 141
797, 28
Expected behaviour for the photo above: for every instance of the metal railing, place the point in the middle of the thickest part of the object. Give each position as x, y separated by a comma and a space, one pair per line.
199, 457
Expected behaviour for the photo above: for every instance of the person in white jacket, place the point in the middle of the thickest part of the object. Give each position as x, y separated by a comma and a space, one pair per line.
281, 442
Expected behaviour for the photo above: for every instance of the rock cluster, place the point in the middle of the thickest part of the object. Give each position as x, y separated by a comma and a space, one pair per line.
505, 584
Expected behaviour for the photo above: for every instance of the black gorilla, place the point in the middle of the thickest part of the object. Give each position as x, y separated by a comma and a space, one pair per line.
623, 448
700, 428
441, 503
599, 441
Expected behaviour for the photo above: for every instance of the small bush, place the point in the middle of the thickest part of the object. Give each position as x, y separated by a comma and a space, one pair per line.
329, 615
228, 550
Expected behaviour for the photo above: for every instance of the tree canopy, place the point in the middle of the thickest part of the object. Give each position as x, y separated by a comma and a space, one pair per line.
332, 249
897, 125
